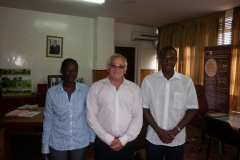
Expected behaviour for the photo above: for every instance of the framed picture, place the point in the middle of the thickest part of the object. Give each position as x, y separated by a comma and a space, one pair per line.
15, 82
54, 47
54, 80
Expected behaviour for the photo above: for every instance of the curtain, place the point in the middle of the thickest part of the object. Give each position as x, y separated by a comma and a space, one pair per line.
235, 67
190, 38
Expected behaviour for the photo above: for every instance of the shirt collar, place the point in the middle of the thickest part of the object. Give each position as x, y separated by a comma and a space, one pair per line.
176, 75
125, 82
60, 86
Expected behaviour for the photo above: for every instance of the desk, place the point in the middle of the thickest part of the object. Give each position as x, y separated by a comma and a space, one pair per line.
223, 127
28, 129
23, 124
8, 104
233, 119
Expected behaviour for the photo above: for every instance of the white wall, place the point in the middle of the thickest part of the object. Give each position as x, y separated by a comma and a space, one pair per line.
23, 37
145, 50
23, 42
104, 41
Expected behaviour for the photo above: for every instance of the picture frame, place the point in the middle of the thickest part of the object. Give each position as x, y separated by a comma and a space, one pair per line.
54, 80
54, 46
15, 82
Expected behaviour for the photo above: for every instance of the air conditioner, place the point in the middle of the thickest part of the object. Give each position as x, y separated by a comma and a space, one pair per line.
144, 36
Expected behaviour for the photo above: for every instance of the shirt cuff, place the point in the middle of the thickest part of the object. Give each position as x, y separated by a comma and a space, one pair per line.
192, 107
45, 149
124, 140
108, 139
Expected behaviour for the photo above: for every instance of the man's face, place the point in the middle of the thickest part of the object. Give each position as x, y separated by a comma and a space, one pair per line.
70, 73
168, 62
117, 69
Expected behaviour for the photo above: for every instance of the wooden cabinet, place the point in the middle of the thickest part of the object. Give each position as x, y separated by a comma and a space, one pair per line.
145, 72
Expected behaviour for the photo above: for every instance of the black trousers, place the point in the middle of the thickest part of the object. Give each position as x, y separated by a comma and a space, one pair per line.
77, 154
160, 152
104, 152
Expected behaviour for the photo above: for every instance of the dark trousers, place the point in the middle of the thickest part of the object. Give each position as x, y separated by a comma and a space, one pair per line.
77, 154
160, 152
104, 152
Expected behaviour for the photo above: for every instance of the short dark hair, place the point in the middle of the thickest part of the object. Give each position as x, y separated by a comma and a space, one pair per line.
163, 52
68, 61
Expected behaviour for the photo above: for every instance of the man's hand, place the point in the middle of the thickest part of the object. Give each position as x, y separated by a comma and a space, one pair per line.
116, 145
173, 132
165, 136
114, 142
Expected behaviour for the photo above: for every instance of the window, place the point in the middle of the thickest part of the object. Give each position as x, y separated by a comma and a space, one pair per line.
225, 29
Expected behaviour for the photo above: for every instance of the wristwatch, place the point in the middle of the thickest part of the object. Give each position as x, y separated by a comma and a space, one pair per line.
178, 129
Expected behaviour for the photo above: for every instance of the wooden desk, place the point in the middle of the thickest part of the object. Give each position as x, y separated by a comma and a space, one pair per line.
20, 133
23, 124
8, 104
29, 128
232, 119
225, 128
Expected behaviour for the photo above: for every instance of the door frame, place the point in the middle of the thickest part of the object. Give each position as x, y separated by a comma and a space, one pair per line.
136, 68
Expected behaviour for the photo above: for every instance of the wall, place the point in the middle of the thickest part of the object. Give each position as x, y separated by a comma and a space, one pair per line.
23, 42
104, 41
145, 50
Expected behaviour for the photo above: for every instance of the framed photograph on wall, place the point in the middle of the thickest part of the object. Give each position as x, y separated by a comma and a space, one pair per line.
15, 82
54, 80
54, 47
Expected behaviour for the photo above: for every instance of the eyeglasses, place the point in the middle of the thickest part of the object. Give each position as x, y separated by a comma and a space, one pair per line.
115, 66
168, 60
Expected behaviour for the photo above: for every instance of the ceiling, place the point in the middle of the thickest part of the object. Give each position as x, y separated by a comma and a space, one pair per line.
142, 12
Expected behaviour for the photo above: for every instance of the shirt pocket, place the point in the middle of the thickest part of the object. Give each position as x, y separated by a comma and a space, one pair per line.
178, 100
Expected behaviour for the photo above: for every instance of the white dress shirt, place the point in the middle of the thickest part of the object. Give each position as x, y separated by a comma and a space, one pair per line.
115, 112
168, 101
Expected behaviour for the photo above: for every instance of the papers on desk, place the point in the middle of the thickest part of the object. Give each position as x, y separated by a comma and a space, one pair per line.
29, 106
22, 113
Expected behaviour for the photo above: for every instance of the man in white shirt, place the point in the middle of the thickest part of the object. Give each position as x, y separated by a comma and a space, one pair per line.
170, 103
114, 112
